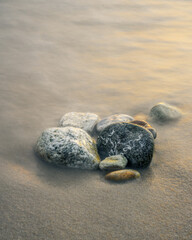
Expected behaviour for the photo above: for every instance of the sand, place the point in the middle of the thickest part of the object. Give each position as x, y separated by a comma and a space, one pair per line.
104, 57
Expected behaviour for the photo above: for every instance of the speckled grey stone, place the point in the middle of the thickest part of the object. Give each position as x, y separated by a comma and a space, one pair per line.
134, 142
113, 163
145, 125
69, 146
85, 121
164, 112
116, 118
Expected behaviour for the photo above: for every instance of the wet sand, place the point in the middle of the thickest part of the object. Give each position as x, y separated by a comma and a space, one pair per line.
105, 57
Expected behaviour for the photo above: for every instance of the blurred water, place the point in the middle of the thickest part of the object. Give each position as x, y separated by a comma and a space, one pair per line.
104, 57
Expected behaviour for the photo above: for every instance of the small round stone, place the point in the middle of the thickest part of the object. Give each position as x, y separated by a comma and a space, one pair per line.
71, 147
116, 118
145, 125
130, 140
164, 112
85, 121
113, 163
122, 175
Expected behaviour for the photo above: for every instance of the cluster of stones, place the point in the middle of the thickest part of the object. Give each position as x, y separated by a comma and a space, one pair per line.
116, 142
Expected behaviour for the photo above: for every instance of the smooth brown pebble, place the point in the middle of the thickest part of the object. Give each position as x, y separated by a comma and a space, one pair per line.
122, 175
145, 125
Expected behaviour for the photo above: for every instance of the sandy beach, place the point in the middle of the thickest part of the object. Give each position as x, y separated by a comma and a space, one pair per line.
104, 57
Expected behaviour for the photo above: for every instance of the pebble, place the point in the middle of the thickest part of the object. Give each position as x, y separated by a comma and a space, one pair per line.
113, 163
122, 175
164, 112
130, 140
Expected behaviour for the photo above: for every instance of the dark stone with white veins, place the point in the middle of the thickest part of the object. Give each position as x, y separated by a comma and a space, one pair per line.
134, 142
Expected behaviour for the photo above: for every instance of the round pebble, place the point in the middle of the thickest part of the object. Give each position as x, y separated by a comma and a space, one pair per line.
113, 163
130, 140
164, 112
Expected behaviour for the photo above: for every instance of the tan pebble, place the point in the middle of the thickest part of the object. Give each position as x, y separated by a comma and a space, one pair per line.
141, 123
122, 175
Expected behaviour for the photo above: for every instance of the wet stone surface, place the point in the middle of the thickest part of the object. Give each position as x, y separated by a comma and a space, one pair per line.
132, 141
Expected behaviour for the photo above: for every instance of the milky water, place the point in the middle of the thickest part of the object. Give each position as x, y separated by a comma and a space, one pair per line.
104, 57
